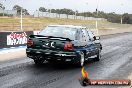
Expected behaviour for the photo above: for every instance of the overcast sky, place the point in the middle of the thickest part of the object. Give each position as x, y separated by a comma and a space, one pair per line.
118, 6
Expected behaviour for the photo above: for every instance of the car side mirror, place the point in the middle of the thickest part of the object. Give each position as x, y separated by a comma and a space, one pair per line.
96, 37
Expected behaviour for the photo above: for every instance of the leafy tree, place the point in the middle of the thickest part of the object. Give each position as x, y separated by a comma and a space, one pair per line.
53, 11
58, 11
1, 6
25, 12
1, 14
112, 17
127, 18
18, 8
115, 18
67, 11
42, 9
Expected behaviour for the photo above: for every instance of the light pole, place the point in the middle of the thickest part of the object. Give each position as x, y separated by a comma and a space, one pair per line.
97, 24
97, 19
121, 19
49, 5
21, 15
21, 20
86, 12
75, 17
3, 6
122, 13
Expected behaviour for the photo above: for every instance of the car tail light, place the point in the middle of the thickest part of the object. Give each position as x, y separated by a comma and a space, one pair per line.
68, 46
29, 42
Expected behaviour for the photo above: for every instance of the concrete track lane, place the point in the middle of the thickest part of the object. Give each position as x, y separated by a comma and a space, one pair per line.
116, 63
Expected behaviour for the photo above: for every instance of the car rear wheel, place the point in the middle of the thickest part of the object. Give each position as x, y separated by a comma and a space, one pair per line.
81, 60
98, 56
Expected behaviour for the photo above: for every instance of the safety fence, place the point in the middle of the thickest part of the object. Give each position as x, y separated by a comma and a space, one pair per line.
65, 16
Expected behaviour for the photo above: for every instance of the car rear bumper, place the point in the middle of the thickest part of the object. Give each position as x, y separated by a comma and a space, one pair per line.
51, 55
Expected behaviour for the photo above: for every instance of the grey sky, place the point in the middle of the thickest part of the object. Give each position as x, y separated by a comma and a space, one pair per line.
118, 6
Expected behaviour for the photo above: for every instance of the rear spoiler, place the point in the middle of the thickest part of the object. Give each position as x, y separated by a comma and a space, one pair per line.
49, 37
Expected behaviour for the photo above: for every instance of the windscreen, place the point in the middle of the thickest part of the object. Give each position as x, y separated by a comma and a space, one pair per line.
56, 31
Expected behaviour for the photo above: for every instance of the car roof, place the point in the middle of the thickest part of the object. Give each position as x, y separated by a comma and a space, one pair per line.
71, 26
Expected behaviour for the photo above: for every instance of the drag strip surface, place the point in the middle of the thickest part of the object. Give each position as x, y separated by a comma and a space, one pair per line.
116, 63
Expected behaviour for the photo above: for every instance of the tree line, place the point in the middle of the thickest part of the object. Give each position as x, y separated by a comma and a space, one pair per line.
112, 17
15, 7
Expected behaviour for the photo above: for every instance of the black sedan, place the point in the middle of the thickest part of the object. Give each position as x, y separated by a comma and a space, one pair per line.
64, 43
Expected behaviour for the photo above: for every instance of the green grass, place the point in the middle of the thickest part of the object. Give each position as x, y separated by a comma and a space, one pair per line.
13, 24
8, 20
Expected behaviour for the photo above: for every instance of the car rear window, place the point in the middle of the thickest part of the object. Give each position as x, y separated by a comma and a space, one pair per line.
65, 32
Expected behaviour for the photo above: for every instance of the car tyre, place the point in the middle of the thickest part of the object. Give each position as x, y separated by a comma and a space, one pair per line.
98, 56
81, 60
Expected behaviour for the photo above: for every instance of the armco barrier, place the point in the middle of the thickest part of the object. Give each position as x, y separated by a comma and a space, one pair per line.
13, 39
